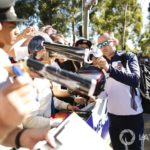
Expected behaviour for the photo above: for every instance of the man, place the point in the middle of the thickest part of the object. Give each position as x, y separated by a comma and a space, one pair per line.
42, 117
14, 97
15, 101
124, 103
9, 30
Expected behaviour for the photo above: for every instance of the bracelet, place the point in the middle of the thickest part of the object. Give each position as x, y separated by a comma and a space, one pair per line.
17, 140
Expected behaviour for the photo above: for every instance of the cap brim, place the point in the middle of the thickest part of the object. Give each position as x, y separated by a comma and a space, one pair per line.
13, 20
9, 15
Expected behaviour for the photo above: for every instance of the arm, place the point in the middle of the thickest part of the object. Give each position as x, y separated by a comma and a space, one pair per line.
60, 105
29, 138
9, 140
14, 100
129, 78
58, 92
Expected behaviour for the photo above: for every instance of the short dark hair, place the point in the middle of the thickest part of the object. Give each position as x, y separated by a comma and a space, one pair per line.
35, 44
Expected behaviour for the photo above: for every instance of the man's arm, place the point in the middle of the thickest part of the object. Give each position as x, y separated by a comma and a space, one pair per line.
9, 139
28, 138
131, 78
15, 102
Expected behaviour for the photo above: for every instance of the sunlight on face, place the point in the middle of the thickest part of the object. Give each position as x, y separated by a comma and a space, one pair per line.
9, 32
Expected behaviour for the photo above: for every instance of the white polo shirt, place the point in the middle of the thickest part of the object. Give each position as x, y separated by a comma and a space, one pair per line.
119, 96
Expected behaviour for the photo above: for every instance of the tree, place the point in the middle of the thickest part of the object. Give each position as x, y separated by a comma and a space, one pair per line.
58, 14
121, 17
26, 9
145, 41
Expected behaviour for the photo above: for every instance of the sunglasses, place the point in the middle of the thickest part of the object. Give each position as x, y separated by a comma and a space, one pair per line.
103, 44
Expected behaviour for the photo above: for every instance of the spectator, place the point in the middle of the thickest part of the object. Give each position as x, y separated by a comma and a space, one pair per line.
19, 48
48, 29
16, 101
60, 91
15, 97
87, 45
124, 103
41, 118
83, 43
58, 38
9, 31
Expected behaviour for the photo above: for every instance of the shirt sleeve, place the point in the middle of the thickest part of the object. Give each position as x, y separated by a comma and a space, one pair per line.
59, 104
131, 78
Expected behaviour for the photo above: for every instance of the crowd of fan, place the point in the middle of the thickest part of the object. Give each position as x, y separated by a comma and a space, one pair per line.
22, 122
16, 46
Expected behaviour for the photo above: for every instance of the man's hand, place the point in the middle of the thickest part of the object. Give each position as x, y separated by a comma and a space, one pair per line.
72, 108
14, 101
30, 137
101, 63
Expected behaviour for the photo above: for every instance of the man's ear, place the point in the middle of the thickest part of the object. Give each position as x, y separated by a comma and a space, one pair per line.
115, 42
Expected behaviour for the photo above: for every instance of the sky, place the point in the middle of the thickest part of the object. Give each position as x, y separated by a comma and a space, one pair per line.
144, 5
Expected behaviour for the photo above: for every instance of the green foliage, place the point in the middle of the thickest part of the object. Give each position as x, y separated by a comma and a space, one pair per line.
122, 17
24, 9
59, 13
145, 41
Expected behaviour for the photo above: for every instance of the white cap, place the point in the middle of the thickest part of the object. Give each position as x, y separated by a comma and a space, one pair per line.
6, 3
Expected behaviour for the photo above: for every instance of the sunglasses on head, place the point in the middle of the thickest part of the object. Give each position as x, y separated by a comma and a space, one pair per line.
103, 44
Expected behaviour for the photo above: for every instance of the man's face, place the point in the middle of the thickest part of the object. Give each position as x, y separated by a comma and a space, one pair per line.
8, 33
105, 45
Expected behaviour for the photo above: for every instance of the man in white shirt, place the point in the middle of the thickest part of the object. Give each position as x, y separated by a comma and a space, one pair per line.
124, 103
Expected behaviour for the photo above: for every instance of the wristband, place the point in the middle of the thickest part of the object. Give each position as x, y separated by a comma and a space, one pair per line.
17, 140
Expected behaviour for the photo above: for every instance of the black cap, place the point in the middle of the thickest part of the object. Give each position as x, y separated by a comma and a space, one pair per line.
83, 41
6, 3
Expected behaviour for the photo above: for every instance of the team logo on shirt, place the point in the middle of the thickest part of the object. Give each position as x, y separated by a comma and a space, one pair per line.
117, 65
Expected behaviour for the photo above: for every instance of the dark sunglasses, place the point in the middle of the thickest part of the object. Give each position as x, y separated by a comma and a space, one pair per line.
103, 44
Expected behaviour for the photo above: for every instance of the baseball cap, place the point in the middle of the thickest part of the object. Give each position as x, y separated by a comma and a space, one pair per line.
6, 3
83, 41
8, 15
